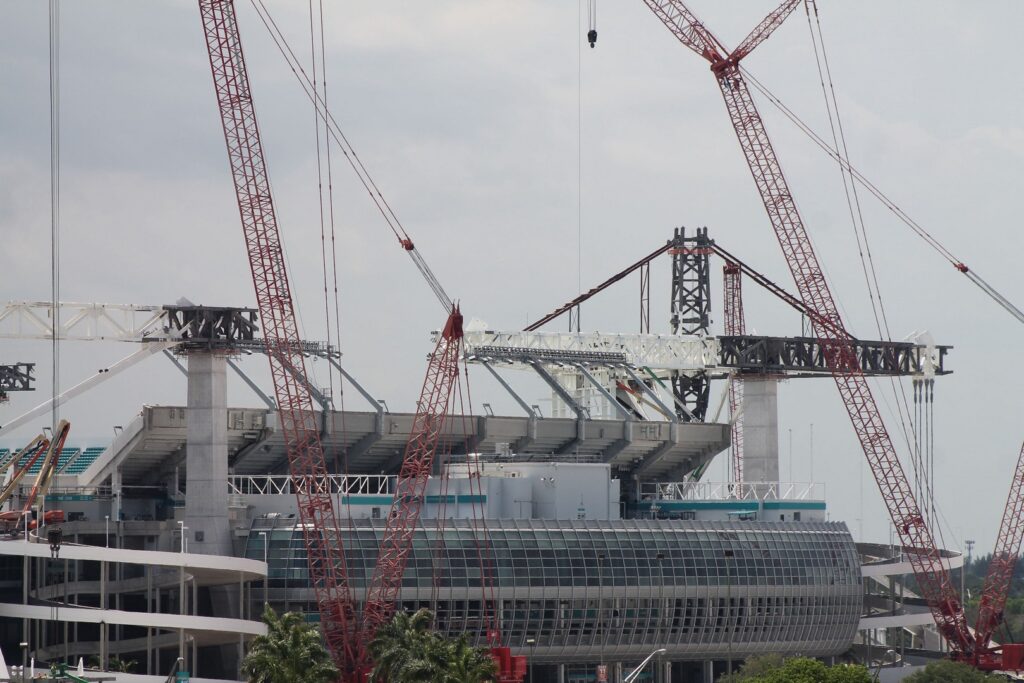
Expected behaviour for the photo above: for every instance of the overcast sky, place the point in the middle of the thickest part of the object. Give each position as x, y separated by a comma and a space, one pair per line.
466, 113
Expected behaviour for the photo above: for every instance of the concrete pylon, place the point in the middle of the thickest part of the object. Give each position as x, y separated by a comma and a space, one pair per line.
760, 430
206, 454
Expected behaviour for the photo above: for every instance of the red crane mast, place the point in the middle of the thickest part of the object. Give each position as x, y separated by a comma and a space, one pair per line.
735, 325
307, 464
897, 494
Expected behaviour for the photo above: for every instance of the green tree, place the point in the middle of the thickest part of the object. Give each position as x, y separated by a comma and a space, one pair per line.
950, 672
291, 652
772, 669
754, 667
405, 650
468, 664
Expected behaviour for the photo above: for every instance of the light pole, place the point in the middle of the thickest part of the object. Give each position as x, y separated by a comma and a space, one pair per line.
631, 676
728, 613
600, 602
660, 557
184, 540
106, 531
181, 593
532, 642
266, 581
881, 663
963, 571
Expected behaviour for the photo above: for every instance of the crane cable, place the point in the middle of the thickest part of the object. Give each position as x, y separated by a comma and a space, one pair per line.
320, 185
54, 17
478, 516
921, 455
592, 23
362, 173
324, 163
854, 207
916, 227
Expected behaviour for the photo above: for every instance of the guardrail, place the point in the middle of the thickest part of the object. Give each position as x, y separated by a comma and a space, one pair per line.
701, 490
281, 484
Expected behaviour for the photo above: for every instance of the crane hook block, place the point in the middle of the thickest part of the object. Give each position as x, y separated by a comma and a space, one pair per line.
406, 244
592, 36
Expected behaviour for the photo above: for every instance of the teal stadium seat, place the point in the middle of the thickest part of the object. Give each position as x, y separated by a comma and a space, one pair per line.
65, 456
84, 459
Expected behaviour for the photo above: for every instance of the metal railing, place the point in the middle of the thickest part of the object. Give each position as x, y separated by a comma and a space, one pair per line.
281, 484
705, 490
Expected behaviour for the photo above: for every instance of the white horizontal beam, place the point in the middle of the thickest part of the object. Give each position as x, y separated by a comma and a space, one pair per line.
146, 351
83, 321
655, 351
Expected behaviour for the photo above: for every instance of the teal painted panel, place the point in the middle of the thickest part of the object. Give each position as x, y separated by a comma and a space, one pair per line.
731, 505
366, 500
794, 505
360, 499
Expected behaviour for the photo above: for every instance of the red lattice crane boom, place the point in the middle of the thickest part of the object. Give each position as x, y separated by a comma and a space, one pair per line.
411, 487
308, 466
932, 574
1004, 559
735, 325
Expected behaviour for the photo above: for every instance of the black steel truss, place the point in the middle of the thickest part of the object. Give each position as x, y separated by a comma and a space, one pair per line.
203, 327
17, 377
691, 313
804, 355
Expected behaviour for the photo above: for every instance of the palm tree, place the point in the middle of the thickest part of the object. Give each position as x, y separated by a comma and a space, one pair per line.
404, 649
291, 652
468, 664
407, 651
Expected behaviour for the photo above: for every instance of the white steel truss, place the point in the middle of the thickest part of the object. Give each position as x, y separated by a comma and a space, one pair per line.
654, 351
281, 484
84, 321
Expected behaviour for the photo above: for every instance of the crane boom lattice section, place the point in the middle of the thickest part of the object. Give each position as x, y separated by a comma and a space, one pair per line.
839, 352
410, 489
732, 306
327, 568
838, 346
1004, 559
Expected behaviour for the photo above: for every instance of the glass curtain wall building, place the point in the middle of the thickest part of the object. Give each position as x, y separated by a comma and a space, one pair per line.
577, 591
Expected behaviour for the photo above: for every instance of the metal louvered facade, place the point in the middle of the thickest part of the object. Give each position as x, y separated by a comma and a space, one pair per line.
584, 588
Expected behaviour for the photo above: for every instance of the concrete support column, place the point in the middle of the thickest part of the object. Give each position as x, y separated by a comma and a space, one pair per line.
181, 610
206, 454
760, 430
104, 655
561, 673
149, 631
709, 664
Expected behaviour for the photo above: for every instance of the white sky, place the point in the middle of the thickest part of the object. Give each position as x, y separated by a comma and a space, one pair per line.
466, 113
